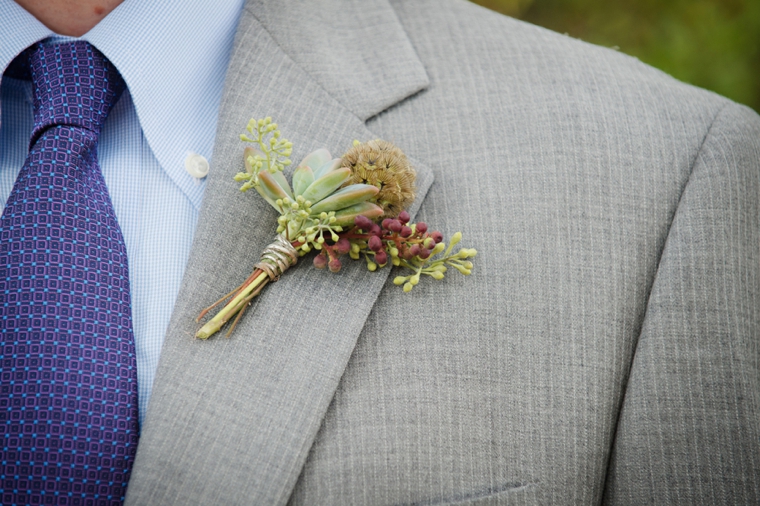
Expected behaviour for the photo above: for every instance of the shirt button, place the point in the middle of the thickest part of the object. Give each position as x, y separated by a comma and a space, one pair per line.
196, 165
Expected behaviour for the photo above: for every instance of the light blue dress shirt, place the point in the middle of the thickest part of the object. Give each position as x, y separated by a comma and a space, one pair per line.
173, 56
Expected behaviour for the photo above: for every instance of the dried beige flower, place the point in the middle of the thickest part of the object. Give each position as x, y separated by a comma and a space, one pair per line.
382, 164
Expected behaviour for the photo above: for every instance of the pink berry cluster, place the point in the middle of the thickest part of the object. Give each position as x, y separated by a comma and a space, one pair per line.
394, 239
330, 255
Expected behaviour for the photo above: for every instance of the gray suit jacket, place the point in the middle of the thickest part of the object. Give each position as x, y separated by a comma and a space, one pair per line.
605, 347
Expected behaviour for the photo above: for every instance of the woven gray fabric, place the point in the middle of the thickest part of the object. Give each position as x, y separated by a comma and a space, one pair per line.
605, 347
689, 428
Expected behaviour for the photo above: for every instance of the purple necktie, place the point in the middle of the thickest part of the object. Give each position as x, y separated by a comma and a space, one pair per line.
68, 399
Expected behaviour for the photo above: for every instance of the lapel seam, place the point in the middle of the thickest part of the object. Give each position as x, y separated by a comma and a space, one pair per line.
247, 7
417, 55
381, 105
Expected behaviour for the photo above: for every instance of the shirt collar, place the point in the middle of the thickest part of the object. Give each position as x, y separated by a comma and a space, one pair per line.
173, 55
18, 30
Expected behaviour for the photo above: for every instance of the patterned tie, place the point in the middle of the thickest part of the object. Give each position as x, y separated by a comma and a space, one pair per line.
68, 398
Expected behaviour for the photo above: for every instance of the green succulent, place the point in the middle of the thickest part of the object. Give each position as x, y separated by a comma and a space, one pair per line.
318, 204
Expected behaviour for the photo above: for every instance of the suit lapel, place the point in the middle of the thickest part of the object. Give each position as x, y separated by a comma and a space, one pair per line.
232, 420
356, 50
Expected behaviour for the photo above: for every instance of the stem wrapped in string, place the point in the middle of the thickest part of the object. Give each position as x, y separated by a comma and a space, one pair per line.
276, 258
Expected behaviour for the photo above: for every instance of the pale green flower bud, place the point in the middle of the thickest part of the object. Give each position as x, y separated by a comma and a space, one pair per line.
461, 269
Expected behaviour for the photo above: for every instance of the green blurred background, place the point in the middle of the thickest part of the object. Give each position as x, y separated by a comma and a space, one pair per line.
713, 44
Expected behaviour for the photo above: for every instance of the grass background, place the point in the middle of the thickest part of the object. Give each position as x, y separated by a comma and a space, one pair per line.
713, 44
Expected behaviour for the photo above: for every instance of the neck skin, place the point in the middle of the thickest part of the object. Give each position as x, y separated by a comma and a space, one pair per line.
69, 17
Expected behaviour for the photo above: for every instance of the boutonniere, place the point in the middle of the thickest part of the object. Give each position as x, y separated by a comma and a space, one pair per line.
353, 205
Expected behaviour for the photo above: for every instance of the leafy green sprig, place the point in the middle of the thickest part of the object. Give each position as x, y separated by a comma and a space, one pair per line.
271, 156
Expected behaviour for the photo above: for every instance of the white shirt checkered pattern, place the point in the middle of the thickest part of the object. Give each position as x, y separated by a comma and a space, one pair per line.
173, 56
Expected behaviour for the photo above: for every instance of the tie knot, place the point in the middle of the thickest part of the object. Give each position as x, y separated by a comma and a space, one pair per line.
74, 84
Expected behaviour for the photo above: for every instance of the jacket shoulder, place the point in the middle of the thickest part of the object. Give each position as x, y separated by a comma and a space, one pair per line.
505, 49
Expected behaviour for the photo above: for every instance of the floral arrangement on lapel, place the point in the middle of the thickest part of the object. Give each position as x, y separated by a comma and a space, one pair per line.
349, 205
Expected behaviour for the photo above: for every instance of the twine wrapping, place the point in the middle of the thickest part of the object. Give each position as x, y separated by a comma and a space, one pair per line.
277, 258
